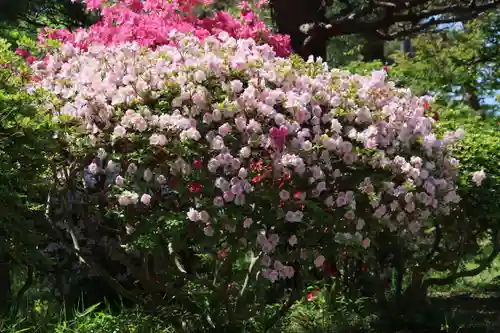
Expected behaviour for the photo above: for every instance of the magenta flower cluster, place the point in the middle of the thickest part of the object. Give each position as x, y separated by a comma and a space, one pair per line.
150, 22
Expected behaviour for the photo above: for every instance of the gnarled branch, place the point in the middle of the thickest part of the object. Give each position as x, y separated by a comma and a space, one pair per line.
383, 19
471, 272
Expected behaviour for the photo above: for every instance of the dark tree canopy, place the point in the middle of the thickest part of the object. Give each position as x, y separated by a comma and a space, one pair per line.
40, 13
311, 23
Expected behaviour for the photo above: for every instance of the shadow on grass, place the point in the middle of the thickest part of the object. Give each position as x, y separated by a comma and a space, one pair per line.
471, 305
470, 312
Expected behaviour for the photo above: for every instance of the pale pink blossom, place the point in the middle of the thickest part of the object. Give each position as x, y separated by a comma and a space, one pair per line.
366, 243
119, 180
146, 199
247, 223
478, 177
208, 230
319, 261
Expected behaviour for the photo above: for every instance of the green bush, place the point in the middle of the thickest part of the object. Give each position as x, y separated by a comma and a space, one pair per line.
25, 139
479, 150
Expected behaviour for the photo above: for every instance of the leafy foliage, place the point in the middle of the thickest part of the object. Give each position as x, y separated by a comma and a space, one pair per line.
41, 13
458, 64
480, 150
26, 134
25, 137
312, 23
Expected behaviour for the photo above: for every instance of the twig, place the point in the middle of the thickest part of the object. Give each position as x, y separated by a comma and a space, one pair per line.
250, 270
27, 284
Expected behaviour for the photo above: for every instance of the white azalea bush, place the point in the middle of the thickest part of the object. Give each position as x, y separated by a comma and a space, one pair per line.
223, 169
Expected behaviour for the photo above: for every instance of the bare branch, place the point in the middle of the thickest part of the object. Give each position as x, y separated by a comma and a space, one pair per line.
385, 4
472, 272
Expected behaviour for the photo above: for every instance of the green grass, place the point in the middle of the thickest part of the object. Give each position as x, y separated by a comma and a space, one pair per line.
87, 321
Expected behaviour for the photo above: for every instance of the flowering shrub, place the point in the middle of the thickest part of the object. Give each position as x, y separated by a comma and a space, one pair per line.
150, 23
247, 168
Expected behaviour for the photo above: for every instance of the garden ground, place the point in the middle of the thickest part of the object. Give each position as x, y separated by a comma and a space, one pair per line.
472, 305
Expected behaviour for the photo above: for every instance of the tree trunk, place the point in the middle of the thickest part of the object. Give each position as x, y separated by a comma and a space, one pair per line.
5, 281
290, 15
373, 49
407, 48
472, 99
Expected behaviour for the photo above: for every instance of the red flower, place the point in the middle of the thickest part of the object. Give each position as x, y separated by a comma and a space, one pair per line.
386, 284
284, 180
198, 164
23, 53
426, 106
195, 188
222, 253
386, 68
257, 178
312, 294
229, 286
363, 268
